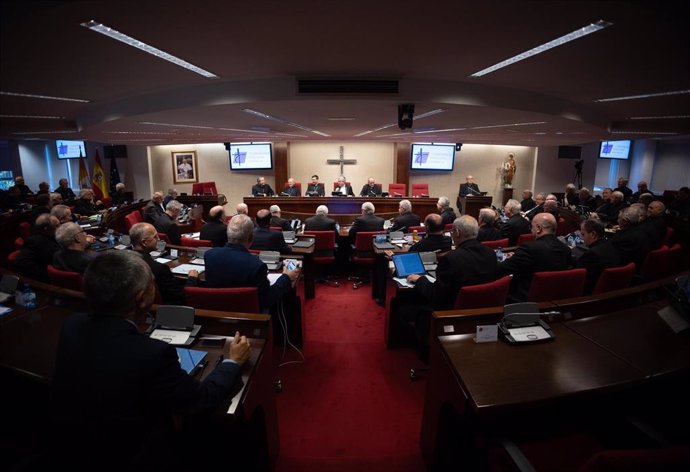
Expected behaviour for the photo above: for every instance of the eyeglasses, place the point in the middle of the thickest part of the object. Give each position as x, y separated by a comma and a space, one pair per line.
155, 238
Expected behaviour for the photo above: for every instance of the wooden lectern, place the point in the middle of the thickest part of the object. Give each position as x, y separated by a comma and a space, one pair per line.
472, 204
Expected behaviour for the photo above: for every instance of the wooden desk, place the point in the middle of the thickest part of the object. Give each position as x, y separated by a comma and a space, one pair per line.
472, 204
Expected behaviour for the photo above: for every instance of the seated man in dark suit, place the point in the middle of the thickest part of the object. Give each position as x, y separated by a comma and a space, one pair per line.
72, 257
215, 229
631, 241
143, 237
171, 195
253, 271
343, 188
321, 221
154, 208
516, 224
608, 212
64, 190
43, 205
641, 190
527, 203
367, 222
262, 189
290, 189
116, 391
62, 213
447, 214
24, 189
370, 189
314, 189
434, 240
654, 224
469, 188
266, 239
166, 223
600, 254
85, 205
38, 249
624, 189
538, 207
587, 201
545, 253
406, 219
277, 221
487, 228
119, 197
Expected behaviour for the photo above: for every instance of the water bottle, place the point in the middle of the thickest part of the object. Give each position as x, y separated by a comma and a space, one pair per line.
499, 254
29, 298
111, 240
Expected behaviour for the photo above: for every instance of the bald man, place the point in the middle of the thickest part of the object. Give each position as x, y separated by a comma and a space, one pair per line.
469, 188
154, 208
242, 209
545, 253
266, 239
654, 224
215, 230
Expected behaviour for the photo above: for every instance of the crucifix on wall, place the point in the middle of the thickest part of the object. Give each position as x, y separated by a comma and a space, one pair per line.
342, 161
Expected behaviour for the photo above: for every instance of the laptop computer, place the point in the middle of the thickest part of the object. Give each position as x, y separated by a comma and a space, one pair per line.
289, 237
381, 242
8, 286
271, 259
397, 237
305, 242
408, 264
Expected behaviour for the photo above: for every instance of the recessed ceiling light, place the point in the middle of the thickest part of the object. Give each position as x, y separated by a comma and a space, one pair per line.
38, 117
647, 95
642, 132
46, 132
114, 34
44, 97
584, 31
509, 125
676, 117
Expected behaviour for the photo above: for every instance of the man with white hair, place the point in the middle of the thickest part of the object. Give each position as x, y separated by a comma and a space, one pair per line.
631, 241
371, 189
277, 221
85, 205
166, 223
119, 197
215, 229
367, 222
487, 230
654, 224
321, 221
242, 209
641, 190
447, 213
73, 240
406, 218
527, 202
154, 208
586, 199
570, 198
290, 189
516, 224
608, 212
342, 188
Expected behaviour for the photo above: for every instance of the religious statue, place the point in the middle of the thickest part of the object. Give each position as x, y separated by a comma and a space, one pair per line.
509, 169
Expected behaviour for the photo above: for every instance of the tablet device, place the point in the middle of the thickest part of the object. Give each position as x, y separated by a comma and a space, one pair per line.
408, 264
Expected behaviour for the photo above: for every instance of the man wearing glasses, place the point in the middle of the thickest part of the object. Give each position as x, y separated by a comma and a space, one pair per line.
73, 241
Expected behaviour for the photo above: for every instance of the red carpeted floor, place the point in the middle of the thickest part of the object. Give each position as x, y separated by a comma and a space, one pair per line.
350, 406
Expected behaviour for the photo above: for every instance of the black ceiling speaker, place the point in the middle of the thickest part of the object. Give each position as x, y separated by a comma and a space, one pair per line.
405, 114
458, 146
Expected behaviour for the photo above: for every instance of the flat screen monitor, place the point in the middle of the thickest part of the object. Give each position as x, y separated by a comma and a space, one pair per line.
248, 156
430, 156
614, 149
70, 149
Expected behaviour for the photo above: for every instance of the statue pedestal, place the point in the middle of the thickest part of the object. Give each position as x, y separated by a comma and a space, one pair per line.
507, 195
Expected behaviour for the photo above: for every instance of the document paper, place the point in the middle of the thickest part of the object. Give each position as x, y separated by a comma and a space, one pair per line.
532, 333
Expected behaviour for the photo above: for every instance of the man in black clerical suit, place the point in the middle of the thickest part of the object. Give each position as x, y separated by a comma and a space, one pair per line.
215, 229
342, 188
447, 214
539, 201
600, 255
545, 253
116, 391
64, 190
73, 240
406, 219
654, 224
608, 212
321, 221
290, 190
277, 221
631, 241
154, 208
119, 197
434, 240
469, 188
370, 189
167, 222
624, 189
262, 189
367, 222
487, 230
144, 237
38, 249
527, 202
85, 205
641, 189
24, 189
314, 189
266, 239
516, 224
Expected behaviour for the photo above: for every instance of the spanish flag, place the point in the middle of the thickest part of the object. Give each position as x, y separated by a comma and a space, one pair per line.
99, 184
84, 180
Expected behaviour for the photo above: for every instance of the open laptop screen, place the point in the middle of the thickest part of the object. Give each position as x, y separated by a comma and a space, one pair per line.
408, 264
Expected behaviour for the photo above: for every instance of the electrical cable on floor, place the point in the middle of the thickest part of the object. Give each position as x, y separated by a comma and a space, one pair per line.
286, 338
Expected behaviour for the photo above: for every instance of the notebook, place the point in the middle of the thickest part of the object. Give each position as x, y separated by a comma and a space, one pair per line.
408, 264
190, 359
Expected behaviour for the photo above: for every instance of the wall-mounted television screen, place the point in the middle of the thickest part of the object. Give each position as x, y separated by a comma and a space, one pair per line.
615, 149
432, 156
247, 156
70, 149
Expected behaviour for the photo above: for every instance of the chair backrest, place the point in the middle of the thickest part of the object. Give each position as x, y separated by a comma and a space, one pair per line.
614, 278
19, 243
65, 279
525, 238
483, 295
242, 299
397, 190
335, 185
420, 190
656, 264
556, 285
448, 227
164, 237
209, 187
364, 241
677, 261
11, 257
191, 242
24, 229
131, 219
419, 229
297, 184
668, 237
275, 228
325, 240
496, 244
198, 188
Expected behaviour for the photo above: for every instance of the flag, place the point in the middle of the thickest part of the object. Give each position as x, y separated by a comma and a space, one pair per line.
114, 175
84, 179
98, 182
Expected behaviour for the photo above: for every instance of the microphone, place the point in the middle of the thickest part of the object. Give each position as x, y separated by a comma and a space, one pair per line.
284, 194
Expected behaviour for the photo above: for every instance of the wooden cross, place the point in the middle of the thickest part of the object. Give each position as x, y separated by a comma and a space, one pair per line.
342, 161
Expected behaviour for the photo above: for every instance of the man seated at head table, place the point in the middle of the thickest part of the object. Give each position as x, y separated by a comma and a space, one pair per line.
290, 190
85, 205
38, 249
253, 271
167, 222
406, 219
73, 240
266, 239
144, 237
447, 213
370, 189
434, 240
115, 397
487, 226
342, 187
516, 224
600, 255
215, 229
545, 253
262, 189
367, 222
119, 197
276, 219
314, 189
320, 221
24, 189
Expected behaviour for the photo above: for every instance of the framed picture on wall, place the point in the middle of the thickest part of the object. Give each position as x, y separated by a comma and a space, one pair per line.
185, 168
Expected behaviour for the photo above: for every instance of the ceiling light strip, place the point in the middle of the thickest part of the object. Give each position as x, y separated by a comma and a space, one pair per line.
584, 31
647, 95
642, 132
676, 117
283, 121
37, 117
46, 132
128, 40
509, 125
44, 97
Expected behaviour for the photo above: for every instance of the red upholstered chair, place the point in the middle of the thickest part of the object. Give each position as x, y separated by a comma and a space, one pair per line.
419, 229
397, 190
614, 278
656, 264
24, 230
483, 295
420, 190
11, 257
335, 185
556, 285
525, 238
324, 253
496, 244
241, 299
198, 188
364, 256
19, 243
668, 238
164, 237
191, 242
448, 227
297, 184
65, 279
132, 218
677, 261
209, 187
275, 228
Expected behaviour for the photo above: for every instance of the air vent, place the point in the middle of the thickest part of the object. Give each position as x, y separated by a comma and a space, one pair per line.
353, 86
